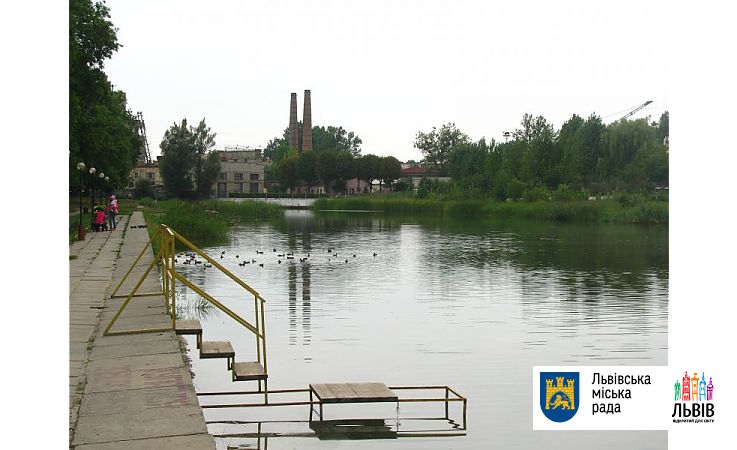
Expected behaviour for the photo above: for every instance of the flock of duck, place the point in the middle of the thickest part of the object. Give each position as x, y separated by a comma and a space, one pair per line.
190, 258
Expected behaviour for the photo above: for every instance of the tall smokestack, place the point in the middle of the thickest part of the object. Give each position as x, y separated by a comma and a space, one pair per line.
293, 132
307, 123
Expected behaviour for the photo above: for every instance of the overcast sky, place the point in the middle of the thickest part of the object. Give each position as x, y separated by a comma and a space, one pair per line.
385, 69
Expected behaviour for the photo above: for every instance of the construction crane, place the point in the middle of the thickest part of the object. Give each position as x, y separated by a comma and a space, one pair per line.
637, 108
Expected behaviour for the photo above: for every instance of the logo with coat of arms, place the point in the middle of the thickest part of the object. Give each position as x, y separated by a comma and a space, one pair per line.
559, 395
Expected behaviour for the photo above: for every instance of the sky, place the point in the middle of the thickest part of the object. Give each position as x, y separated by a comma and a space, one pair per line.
385, 69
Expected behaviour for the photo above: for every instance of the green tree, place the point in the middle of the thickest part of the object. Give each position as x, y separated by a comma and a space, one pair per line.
327, 168
367, 168
344, 169
206, 168
307, 169
330, 139
208, 175
287, 172
438, 143
101, 129
178, 155
390, 169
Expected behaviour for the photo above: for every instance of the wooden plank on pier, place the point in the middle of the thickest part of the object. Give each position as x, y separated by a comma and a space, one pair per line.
245, 371
353, 392
189, 327
217, 349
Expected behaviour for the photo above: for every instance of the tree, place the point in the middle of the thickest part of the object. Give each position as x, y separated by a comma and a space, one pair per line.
438, 143
336, 139
307, 169
101, 129
327, 168
286, 171
330, 139
344, 169
187, 160
208, 175
204, 141
178, 155
367, 168
390, 169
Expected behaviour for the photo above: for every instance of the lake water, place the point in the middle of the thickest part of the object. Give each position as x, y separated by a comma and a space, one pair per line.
469, 304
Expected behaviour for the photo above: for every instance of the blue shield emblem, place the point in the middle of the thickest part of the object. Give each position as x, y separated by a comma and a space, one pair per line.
559, 395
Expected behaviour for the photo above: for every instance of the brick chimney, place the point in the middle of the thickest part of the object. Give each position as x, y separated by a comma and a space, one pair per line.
293, 132
307, 123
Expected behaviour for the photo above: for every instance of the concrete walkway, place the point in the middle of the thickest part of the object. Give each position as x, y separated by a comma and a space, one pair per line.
132, 391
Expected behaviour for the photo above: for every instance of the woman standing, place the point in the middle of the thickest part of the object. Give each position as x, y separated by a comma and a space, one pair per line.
113, 211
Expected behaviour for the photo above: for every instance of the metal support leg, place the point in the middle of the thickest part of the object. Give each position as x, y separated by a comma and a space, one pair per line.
311, 406
266, 391
446, 402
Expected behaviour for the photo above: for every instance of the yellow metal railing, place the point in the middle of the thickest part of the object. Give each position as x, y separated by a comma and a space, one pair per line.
165, 257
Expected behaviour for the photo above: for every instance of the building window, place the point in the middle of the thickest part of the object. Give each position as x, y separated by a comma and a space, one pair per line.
254, 187
223, 175
239, 187
238, 176
254, 177
150, 176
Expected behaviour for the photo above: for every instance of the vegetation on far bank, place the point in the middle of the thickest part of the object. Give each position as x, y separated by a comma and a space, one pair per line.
618, 208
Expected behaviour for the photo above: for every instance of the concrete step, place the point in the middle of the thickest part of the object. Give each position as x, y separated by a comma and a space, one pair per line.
246, 371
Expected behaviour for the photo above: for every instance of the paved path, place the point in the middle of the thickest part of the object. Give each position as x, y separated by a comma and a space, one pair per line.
132, 391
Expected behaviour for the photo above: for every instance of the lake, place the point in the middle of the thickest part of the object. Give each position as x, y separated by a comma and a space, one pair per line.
470, 304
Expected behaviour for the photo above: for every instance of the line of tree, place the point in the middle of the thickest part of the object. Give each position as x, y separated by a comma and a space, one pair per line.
188, 166
333, 169
585, 155
101, 128
334, 159
330, 138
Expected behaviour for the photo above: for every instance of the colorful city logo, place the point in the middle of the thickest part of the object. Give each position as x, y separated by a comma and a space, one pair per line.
559, 395
694, 389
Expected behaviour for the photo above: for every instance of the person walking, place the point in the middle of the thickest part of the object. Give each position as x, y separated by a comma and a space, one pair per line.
113, 211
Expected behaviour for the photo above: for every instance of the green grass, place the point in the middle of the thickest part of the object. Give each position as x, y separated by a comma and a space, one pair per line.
584, 211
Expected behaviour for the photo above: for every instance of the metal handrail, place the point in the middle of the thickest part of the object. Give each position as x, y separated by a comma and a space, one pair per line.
165, 256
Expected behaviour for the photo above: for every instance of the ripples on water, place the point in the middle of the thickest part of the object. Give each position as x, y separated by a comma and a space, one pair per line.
470, 304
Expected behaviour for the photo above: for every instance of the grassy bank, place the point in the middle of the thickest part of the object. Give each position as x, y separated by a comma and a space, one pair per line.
205, 222
641, 211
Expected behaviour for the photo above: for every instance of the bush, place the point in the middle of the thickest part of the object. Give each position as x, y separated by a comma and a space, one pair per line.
515, 189
565, 193
401, 186
536, 194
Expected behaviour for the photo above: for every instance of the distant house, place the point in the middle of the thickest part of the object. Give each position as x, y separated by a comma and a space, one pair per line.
414, 173
146, 172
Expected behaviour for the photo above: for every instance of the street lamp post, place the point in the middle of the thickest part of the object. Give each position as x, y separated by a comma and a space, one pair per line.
80, 227
92, 188
102, 178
